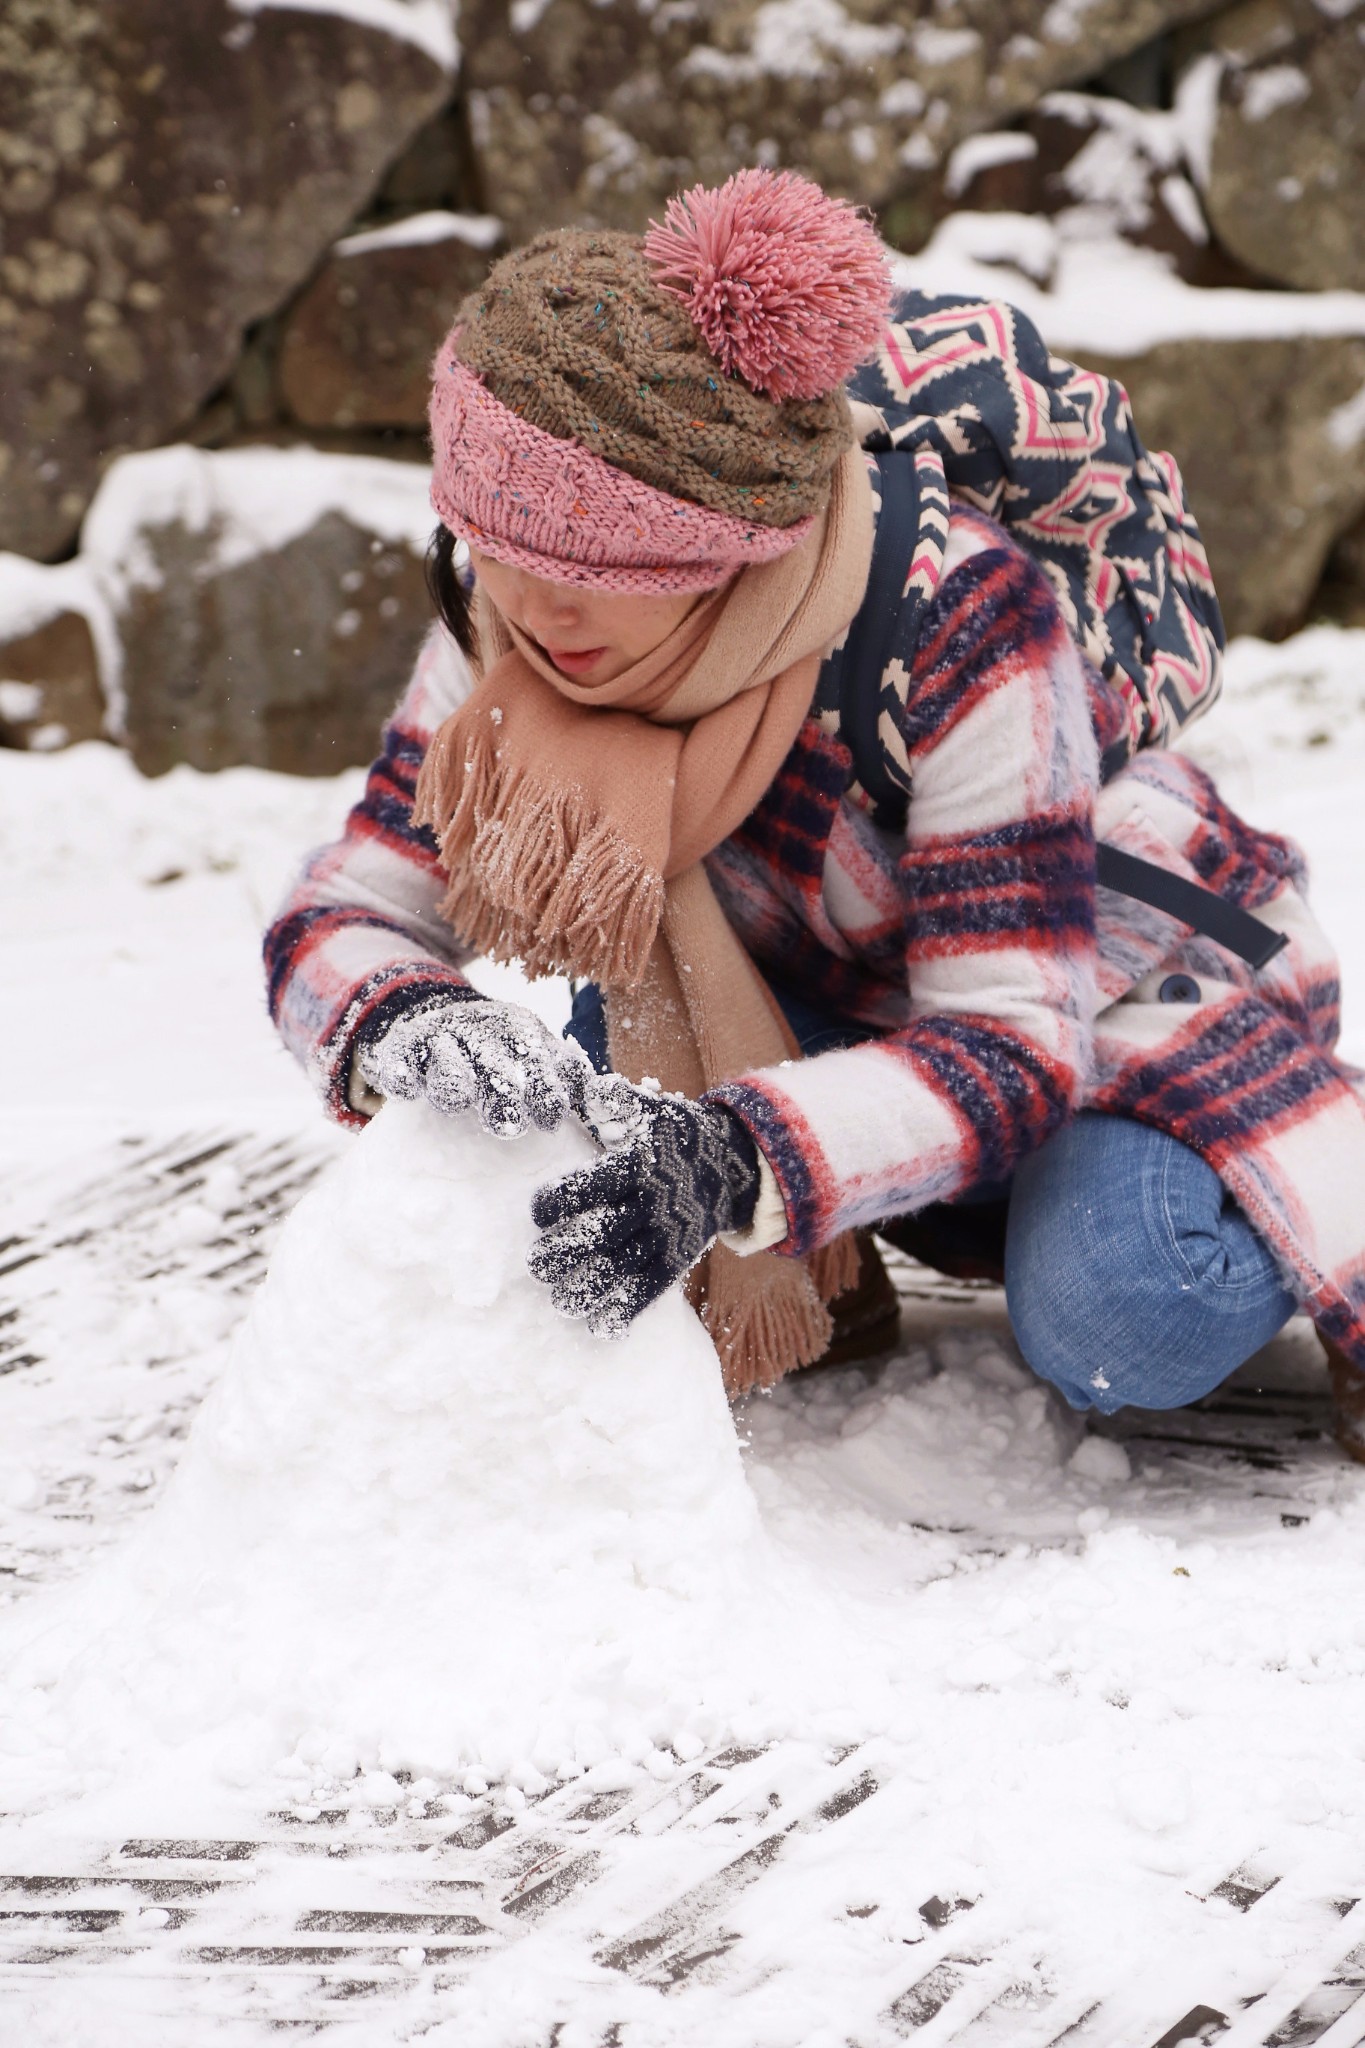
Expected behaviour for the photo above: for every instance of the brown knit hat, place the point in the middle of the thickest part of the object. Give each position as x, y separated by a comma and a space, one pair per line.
573, 334
652, 413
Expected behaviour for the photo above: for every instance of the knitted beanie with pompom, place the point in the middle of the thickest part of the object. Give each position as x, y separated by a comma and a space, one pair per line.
630, 413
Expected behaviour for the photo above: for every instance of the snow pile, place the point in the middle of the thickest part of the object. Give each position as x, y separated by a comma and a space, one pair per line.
423, 1522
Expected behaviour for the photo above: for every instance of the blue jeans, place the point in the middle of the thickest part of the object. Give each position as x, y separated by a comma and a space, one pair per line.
1132, 1277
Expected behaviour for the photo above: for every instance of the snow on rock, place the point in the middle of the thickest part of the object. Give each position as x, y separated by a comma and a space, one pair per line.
1196, 113
1101, 295
986, 153
422, 1521
270, 601
1064, 19
34, 594
428, 24
356, 345
1273, 487
479, 230
255, 501
795, 39
31, 593
242, 147
1112, 171
1266, 92
1285, 181
855, 95
935, 46
1346, 426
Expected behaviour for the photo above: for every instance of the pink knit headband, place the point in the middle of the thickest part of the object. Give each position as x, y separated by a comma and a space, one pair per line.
551, 507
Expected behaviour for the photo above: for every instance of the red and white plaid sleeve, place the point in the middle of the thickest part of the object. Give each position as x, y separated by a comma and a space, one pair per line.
360, 932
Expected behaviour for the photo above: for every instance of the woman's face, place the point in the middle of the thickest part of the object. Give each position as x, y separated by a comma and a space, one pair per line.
591, 636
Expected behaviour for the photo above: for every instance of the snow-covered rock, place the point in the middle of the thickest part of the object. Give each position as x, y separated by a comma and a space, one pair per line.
595, 110
357, 345
1102, 169
268, 601
177, 172
59, 662
1286, 180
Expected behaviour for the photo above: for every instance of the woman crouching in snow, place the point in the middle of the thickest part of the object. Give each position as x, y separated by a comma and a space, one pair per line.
759, 727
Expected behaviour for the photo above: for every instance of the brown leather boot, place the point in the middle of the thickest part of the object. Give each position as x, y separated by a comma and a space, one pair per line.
1348, 1400
867, 1315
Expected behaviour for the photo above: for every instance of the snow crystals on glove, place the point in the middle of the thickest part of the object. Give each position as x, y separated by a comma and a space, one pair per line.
474, 1053
619, 1233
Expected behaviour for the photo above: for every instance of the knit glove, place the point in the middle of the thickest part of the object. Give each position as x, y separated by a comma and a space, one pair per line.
617, 1234
463, 1052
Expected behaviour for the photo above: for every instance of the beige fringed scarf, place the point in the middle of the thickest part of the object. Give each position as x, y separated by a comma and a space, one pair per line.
573, 824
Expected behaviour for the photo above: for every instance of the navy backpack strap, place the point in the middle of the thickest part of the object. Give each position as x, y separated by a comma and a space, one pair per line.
878, 636
875, 637
1250, 938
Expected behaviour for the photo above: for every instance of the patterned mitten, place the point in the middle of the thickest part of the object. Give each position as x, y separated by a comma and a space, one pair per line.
617, 1234
463, 1052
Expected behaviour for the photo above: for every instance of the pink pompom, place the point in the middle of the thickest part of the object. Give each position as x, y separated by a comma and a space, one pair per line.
788, 287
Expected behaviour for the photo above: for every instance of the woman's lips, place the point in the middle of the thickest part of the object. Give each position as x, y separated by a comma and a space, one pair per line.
575, 663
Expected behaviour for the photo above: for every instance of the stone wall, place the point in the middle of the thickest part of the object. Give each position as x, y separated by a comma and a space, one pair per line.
232, 229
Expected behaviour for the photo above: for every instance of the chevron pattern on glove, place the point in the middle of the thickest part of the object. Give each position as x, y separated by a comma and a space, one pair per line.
617, 1234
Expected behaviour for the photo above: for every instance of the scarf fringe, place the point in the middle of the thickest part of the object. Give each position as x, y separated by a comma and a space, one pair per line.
770, 1333
835, 1266
532, 877
763, 1333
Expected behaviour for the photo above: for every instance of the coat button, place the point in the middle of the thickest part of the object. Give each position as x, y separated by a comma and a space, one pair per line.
1180, 988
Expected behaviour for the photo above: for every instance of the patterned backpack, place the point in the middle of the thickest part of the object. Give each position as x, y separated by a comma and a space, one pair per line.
963, 396
1050, 452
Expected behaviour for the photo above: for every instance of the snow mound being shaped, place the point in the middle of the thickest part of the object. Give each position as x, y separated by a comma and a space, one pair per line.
422, 1521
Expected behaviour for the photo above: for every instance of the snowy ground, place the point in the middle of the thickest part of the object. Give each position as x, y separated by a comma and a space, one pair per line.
1120, 1802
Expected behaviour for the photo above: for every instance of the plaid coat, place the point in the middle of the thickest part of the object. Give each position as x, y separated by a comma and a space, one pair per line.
1007, 990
